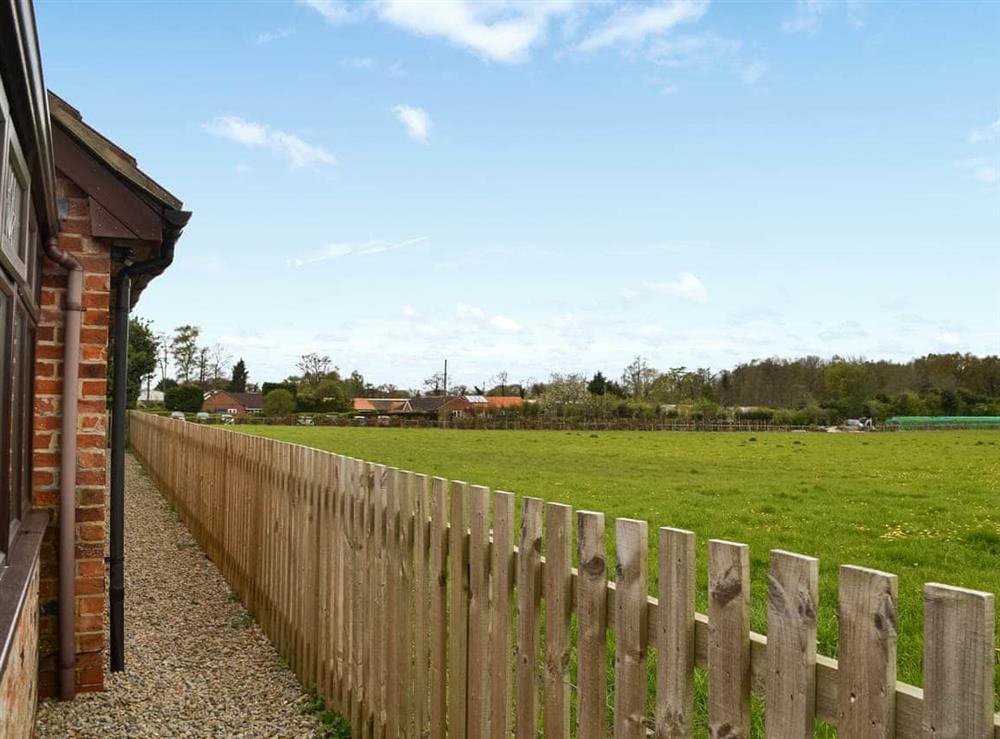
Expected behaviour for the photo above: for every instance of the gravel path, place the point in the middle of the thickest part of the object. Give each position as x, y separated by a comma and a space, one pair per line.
195, 664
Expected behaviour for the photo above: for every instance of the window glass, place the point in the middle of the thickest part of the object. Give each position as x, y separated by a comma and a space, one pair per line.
14, 203
13, 419
6, 288
27, 379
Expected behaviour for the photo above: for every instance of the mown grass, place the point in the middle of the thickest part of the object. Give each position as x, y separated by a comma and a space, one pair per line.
921, 505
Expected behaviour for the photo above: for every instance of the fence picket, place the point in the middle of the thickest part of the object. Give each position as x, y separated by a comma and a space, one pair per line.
439, 609
392, 606
380, 628
421, 550
529, 564
675, 636
458, 611
558, 593
792, 604
729, 640
592, 622
959, 636
867, 662
406, 603
502, 582
479, 613
631, 596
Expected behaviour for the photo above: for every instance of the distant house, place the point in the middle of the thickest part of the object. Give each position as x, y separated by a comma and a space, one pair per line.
428, 404
502, 402
471, 404
464, 405
235, 404
381, 405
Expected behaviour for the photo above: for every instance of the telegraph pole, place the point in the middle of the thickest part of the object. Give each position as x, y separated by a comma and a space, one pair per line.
446, 378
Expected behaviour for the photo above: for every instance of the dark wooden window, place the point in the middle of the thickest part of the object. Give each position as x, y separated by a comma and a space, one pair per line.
19, 291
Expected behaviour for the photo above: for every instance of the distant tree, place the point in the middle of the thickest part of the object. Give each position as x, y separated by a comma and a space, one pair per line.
163, 355
330, 397
354, 386
501, 381
238, 384
638, 377
435, 384
314, 367
267, 387
143, 349
166, 383
187, 398
279, 403
598, 384
565, 389
185, 352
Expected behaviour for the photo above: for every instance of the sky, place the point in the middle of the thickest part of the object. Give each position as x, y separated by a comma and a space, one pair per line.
544, 186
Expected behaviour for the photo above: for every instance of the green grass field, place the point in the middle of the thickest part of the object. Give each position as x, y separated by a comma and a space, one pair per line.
921, 505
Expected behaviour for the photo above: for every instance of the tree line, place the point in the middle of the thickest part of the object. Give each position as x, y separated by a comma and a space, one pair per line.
805, 390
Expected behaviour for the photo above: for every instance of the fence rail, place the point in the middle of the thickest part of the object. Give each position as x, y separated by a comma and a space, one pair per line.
356, 573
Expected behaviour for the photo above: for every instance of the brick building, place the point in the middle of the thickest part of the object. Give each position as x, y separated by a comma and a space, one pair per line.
233, 403
75, 212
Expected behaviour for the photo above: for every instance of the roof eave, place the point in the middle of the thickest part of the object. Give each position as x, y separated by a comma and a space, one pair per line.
21, 68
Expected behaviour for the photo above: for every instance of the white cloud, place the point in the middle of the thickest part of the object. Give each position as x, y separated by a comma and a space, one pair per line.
333, 11
361, 62
752, 72
247, 133
809, 13
692, 51
243, 168
981, 169
337, 250
687, 287
499, 31
409, 311
416, 121
988, 133
950, 339
269, 36
807, 16
503, 323
628, 293
631, 25
469, 312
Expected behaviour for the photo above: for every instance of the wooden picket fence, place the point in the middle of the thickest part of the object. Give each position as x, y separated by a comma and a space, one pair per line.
354, 571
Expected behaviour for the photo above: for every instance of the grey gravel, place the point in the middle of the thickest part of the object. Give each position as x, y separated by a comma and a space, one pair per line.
194, 668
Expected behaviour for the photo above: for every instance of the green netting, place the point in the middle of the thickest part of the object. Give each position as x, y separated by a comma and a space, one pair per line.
970, 421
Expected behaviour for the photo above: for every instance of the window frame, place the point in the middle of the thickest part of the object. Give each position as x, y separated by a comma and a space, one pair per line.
20, 288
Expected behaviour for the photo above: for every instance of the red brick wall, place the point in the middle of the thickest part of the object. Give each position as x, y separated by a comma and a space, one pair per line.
18, 681
91, 442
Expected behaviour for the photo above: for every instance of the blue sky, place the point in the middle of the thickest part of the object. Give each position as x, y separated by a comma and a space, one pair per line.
551, 186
